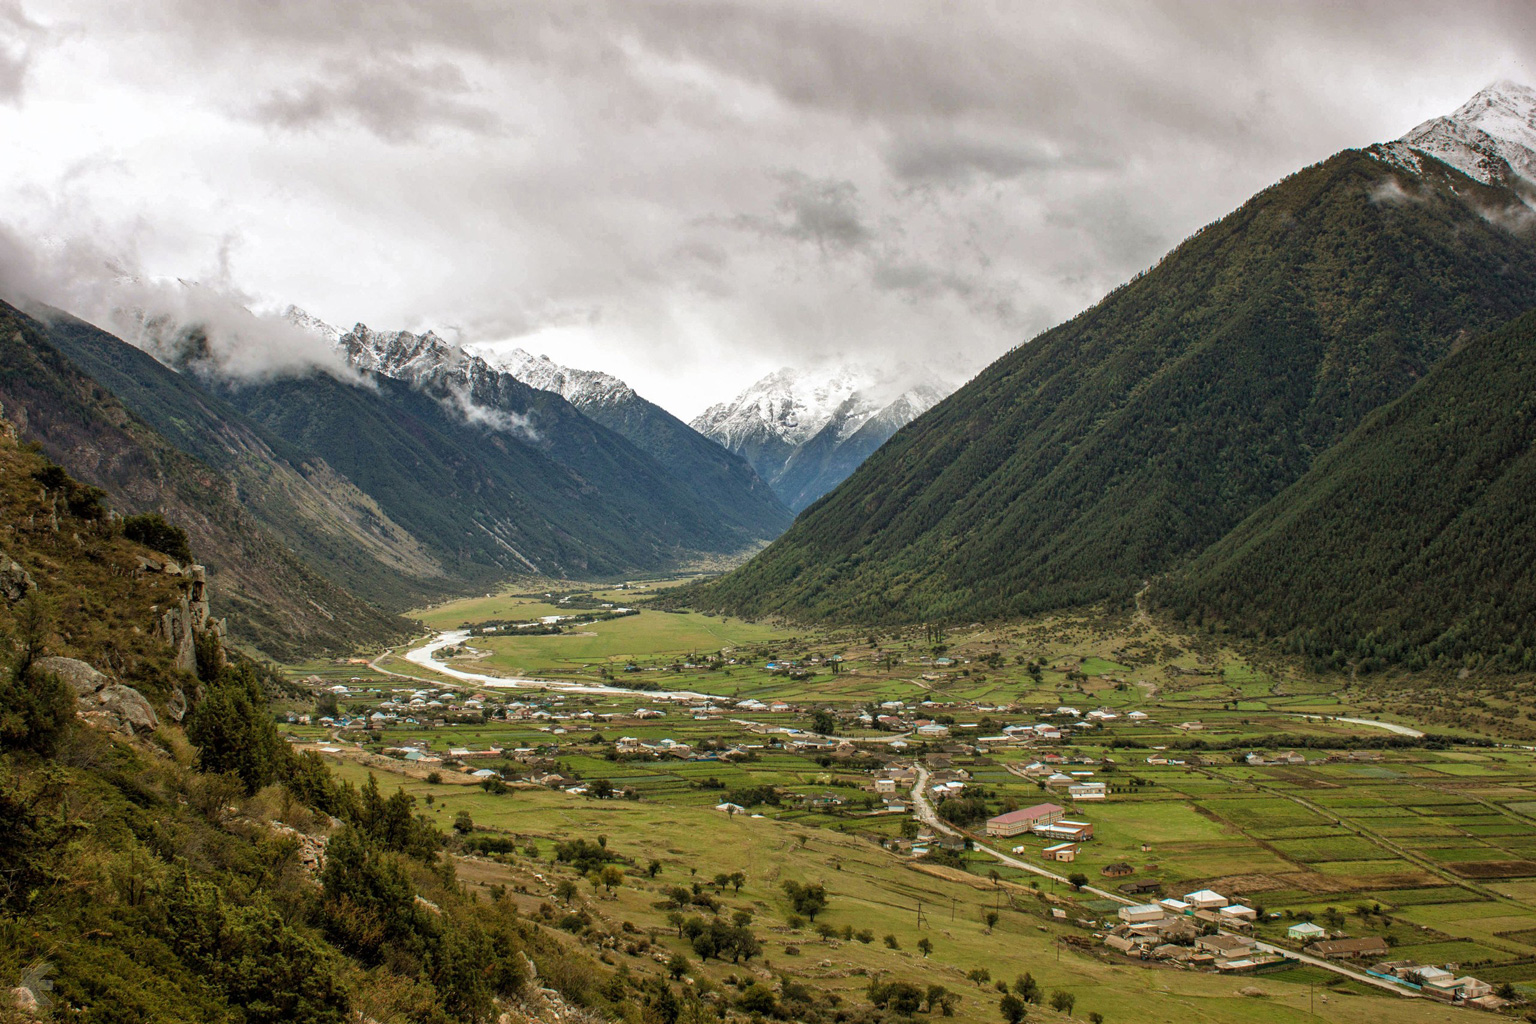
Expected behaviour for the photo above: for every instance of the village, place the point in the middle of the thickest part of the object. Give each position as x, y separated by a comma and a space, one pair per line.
943, 783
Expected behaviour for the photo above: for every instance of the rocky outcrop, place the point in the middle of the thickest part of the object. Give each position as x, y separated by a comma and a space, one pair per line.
15, 582
180, 626
82, 677
311, 849
99, 699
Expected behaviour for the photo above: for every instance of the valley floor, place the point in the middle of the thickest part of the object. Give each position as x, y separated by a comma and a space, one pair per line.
1306, 798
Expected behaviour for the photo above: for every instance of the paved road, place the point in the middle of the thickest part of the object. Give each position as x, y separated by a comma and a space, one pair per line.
929, 817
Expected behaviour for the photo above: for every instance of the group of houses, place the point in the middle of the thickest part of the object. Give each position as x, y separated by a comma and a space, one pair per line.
1439, 983
1203, 928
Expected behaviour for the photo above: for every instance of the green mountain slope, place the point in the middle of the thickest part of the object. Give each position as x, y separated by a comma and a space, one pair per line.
172, 863
270, 596
393, 492
1413, 540
295, 495
1128, 439
484, 502
738, 496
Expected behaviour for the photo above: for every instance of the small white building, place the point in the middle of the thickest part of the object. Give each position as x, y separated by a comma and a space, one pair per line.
1306, 931
1205, 899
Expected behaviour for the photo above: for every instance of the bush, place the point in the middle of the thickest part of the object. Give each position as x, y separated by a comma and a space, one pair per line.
151, 530
36, 711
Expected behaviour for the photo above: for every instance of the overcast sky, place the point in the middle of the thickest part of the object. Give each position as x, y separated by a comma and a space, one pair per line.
687, 194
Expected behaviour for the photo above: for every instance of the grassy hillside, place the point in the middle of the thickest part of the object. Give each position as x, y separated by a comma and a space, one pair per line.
1127, 440
1412, 541
158, 877
272, 599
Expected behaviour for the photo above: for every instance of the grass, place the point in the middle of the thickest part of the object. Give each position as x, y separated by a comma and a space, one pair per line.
871, 889
1429, 833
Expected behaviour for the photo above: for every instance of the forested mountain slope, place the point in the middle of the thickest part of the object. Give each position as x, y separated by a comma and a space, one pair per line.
484, 502
627, 494
1411, 541
271, 597
1125, 441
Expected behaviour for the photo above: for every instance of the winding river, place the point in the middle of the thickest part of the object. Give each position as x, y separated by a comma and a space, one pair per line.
423, 657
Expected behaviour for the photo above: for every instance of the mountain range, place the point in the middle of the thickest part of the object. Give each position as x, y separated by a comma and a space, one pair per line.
328, 501
805, 432
1127, 443
723, 477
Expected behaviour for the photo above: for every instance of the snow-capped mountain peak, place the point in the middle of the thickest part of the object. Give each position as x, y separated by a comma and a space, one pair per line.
1491, 137
312, 324
804, 431
788, 405
582, 388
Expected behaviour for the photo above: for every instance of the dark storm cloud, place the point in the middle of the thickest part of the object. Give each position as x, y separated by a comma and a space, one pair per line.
824, 211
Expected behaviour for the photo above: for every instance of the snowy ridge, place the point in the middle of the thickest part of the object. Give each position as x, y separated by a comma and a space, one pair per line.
582, 388
804, 432
1491, 137
312, 324
793, 406
463, 381
788, 405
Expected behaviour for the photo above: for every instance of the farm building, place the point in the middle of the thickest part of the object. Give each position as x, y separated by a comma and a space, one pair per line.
1363, 948
1066, 831
1141, 913
1016, 823
1225, 945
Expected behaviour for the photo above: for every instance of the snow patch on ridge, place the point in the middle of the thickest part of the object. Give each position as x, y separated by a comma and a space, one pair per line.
1491, 137
582, 388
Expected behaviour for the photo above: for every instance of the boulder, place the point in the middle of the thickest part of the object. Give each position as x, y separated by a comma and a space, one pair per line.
15, 582
127, 707
82, 677
100, 699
